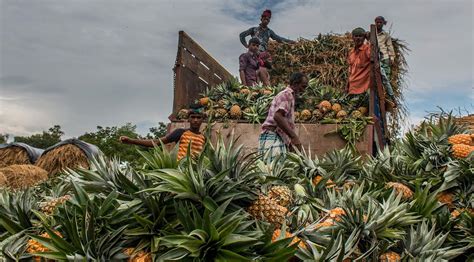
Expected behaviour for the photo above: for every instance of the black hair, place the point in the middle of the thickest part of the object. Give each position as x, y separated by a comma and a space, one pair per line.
296, 78
196, 109
254, 41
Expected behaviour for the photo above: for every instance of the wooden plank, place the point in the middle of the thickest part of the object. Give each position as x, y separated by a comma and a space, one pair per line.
201, 71
203, 56
377, 74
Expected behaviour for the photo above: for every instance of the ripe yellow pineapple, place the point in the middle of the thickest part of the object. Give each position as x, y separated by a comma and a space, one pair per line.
462, 151
34, 246
297, 116
220, 113
49, 207
390, 257
305, 115
254, 94
235, 112
464, 139
336, 107
204, 101
245, 91
281, 194
336, 213
325, 106
363, 110
277, 233
267, 92
326, 223
3, 180
267, 209
329, 183
141, 256
401, 189
446, 198
341, 114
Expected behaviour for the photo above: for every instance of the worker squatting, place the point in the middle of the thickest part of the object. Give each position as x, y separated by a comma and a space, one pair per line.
278, 131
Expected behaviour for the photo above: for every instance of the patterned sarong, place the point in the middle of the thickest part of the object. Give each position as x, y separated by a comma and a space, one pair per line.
271, 145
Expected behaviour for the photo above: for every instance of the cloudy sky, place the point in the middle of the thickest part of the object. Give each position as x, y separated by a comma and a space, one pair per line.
83, 63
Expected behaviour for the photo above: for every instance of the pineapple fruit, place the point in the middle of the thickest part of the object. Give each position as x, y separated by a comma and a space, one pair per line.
464, 139
34, 246
341, 114
336, 107
305, 115
317, 114
204, 101
390, 257
446, 198
245, 91
462, 151
356, 114
220, 113
267, 209
401, 189
329, 183
281, 194
325, 106
277, 236
183, 114
235, 112
141, 256
363, 110
49, 207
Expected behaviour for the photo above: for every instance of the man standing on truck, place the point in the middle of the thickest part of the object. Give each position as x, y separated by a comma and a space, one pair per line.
384, 41
278, 130
184, 137
248, 64
263, 33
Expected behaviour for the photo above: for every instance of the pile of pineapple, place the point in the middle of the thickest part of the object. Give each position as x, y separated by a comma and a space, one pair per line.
318, 104
413, 202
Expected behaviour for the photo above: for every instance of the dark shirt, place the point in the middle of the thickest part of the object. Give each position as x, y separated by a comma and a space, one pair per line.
248, 63
263, 34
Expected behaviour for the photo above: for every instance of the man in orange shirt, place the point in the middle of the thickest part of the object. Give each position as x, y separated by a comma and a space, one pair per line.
360, 65
182, 136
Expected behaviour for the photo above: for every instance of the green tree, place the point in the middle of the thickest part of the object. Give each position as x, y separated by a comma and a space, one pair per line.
43, 140
157, 132
107, 139
3, 138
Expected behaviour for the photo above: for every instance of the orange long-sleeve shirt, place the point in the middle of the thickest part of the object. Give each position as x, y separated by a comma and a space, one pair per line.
359, 69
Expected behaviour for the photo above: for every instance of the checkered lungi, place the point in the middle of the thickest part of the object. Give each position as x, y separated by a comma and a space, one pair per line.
271, 145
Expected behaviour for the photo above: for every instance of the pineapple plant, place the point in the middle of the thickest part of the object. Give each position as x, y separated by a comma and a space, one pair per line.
264, 208
464, 139
462, 151
235, 112
281, 194
400, 188
305, 115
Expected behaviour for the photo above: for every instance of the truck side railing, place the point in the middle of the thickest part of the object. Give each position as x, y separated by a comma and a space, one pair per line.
194, 71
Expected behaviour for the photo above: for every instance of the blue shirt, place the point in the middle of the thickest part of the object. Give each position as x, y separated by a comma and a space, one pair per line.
263, 34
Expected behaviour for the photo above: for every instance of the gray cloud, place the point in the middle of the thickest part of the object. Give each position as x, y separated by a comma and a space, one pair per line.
86, 63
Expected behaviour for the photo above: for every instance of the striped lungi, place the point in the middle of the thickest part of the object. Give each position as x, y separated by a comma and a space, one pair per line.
271, 145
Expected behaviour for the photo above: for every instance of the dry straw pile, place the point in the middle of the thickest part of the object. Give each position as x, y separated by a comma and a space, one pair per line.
19, 177
61, 158
13, 155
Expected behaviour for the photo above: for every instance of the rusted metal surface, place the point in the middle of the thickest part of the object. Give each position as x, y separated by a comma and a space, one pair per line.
318, 138
195, 70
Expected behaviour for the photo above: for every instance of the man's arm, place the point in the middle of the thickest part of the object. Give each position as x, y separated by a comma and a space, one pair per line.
173, 137
243, 35
282, 123
280, 39
242, 66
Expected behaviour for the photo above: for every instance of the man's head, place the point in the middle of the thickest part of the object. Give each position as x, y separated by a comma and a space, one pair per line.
196, 116
358, 36
298, 82
254, 43
265, 18
380, 22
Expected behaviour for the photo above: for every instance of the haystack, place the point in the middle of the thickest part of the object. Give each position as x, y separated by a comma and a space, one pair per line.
467, 121
325, 58
18, 154
70, 154
3, 180
23, 176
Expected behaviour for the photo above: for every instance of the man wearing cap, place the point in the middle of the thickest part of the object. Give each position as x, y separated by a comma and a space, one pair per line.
187, 138
384, 41
249, 64
263, 33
